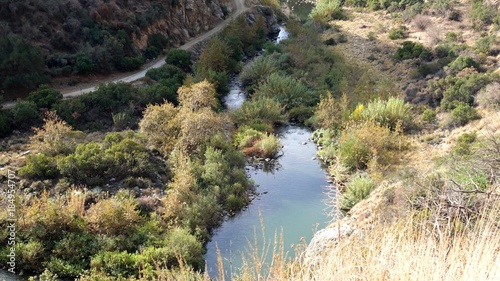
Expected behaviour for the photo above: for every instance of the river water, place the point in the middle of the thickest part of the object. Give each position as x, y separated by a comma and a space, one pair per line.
290, 202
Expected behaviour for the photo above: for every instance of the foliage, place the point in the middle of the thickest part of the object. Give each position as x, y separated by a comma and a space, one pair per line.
388, 113
110, 97
130, 63
217, 56
463, 113
286, 90
460, 89
118, 157
5, 126
55, 137
45, 97
113, 216
118, 264
429, 115
463, 145
357, 189
83, 63
260, 110
326, 10
179, 58
411, 50
397, 33
331, 113
24, 111
161, 125
257, 70
197, 96
39, 166
364, 142
269, 146
463, 62
21, 64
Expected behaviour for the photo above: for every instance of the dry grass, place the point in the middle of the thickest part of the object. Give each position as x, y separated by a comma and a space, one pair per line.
405, 251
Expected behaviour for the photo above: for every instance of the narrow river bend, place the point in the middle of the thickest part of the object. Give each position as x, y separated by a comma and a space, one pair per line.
290, 202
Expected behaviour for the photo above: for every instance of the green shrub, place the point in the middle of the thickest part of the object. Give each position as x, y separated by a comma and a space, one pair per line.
167, 71
179, 58
463, 62
397, 33
463, 145
388, 113
270, 145
45, 97
258, 70
83, 63
326, 10
429, 115
357, 189
39, 166
410, 50
118, 264
287, 91
463, 113
217, 56
5, 126
461, 89
25, 111
112, 96
260, 110
485, 44
130, 63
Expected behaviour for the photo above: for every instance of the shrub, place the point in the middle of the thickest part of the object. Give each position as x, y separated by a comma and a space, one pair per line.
486, 43
55, 137
119, 264
83, 63
217, 57
258, 70
45, 97
463, 62
286, 90
159, 123
397, 33
24, 111
463, 113
462, 89
39, 166
410, 50
357, 189
5, 126
260, 110
165, 72
366, 141
388, 113
179, 58
421, 22
270, 145
331, 113
429, 115
463, 145
326, 10
111, 96
130, 63
117, 215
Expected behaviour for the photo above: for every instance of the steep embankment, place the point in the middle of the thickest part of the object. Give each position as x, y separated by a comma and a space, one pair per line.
44, 39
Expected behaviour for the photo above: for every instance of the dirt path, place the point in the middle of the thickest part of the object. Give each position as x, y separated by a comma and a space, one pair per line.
86, 87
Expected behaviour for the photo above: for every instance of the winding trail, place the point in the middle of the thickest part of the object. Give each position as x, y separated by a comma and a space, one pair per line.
88, 87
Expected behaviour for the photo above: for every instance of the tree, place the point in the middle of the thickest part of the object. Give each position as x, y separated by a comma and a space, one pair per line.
179, 58
161, 125
197, 96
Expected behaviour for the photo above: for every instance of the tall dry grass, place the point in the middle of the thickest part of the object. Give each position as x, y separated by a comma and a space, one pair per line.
407, 250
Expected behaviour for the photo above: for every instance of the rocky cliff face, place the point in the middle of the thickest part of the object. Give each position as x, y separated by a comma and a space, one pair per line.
104, 32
